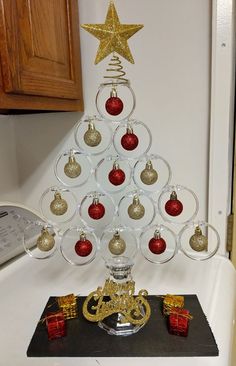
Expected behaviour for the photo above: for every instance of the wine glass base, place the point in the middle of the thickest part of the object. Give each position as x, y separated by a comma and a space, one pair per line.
115, 324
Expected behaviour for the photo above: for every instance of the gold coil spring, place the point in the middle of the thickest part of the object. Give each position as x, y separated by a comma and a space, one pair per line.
117, 68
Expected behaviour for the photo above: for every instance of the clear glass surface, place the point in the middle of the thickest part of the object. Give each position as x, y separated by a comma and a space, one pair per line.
124, 92
31, 235
102, 126
167, 235
84, 163
127, 201
213, 240
129, 250
162, 169
68, 242
116, 324
144, 139
106, 201
120, 268
105, 166
49, 196
188, 199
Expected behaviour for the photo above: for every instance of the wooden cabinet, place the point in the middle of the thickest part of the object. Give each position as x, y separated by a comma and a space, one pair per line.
40, 55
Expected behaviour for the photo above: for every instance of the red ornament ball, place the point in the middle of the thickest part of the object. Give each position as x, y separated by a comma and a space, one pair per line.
157, 245
116, 176
83, 248
174, 207
114, 106
129, 141
96, 211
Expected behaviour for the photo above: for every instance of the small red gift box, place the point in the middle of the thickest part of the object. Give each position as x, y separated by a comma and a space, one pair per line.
178, 322
56, 325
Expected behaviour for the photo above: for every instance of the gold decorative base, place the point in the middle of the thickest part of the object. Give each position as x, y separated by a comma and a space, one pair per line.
117, 298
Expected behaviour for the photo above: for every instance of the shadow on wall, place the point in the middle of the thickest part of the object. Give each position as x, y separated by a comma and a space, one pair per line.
39, 139
8, 165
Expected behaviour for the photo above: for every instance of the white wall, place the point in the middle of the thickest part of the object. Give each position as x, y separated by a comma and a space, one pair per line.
171, 79
9, 187
222, 116
40, 139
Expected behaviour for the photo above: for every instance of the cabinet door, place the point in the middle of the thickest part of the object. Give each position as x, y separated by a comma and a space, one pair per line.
40, 50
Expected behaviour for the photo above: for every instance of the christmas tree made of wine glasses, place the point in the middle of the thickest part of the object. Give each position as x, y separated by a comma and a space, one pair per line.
132, 185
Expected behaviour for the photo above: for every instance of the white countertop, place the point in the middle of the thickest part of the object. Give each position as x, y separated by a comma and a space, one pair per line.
26, 285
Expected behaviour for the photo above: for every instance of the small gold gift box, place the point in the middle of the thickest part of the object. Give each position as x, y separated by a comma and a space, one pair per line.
171, 302
68, 305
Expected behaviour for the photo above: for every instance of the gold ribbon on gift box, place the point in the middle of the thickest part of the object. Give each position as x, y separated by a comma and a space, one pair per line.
187, 316
67, 305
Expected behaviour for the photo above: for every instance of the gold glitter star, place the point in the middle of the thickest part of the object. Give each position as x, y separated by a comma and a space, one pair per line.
113, 36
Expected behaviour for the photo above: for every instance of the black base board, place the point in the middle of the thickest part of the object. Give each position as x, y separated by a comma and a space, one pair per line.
86, 339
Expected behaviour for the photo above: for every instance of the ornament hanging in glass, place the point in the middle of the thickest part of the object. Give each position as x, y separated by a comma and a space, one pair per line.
149, 175
117, 245
83, 247
92, 136
96, 210
173, 206
114, 105
129, 140
136, 210
72, 169
45, 241
116, 175
58, 206
198, 241
157, 244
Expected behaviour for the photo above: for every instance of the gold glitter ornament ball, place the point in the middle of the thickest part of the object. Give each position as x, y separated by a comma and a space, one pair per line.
72, 169
117, 245
58, 206
45, 241
198, 242
136, 210
149, 175
92, 137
